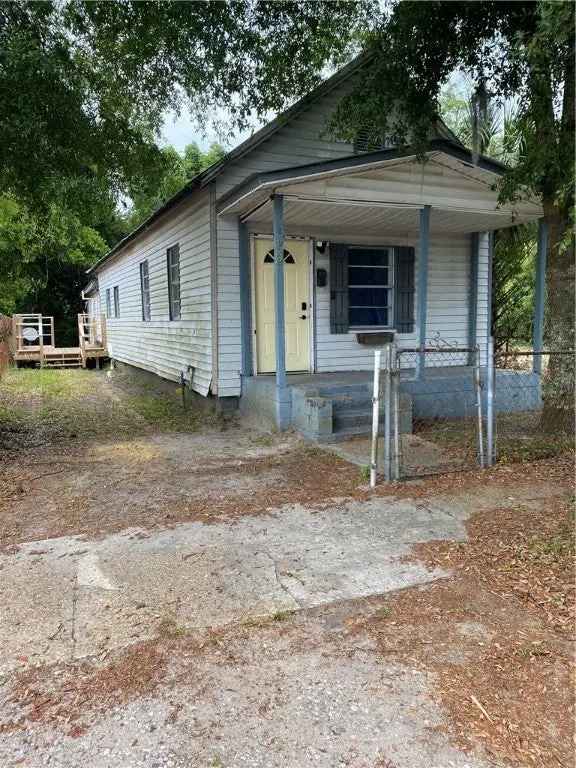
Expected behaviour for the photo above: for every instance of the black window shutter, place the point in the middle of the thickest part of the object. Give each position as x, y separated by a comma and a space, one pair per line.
338, 288
404, 290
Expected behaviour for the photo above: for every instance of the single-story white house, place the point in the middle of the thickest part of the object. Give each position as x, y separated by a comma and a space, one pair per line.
376, 245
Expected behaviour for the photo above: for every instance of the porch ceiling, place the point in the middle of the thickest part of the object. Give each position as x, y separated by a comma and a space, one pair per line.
325, 220
382, 196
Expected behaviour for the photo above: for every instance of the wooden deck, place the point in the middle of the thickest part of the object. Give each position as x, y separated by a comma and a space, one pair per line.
34, 342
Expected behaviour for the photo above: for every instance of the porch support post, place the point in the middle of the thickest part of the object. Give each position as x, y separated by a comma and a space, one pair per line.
245, 298
282, 392
539, 296
473, 296
422, 287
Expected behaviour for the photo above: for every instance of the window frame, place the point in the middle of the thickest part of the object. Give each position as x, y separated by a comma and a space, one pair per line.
116, 296
108, 303
172, 301
391, 267
145, 291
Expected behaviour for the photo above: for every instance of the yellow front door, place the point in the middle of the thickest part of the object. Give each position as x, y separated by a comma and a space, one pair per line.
296, 305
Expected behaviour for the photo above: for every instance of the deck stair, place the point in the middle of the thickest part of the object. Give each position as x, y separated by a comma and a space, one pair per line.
61, 357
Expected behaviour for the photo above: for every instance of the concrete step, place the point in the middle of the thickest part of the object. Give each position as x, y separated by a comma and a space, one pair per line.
338, 390
354, 419
347, 402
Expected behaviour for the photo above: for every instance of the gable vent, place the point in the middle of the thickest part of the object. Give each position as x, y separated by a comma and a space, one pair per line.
371, 139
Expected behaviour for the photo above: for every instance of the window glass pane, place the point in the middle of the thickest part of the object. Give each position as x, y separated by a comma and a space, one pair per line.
367, 276
368, 316
368, 297
368, 257
145, 290
173, 260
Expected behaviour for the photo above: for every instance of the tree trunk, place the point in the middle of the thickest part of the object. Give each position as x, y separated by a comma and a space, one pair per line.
559, 374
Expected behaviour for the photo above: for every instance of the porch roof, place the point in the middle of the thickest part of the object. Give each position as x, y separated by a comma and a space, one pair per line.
382, 192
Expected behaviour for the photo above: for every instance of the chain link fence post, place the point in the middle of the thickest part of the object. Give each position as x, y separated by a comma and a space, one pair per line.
395, 363
375, 418
387, 412
478, 386
490, 386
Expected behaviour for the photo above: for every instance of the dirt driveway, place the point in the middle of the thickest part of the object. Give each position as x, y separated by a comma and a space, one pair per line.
219, 597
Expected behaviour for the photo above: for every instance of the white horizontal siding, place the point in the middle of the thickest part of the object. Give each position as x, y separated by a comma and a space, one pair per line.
160, 345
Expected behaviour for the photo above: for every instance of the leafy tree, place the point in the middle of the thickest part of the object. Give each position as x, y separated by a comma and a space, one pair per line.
43, 262
485, 127
523, 50
84, 85
83, 90
150, 193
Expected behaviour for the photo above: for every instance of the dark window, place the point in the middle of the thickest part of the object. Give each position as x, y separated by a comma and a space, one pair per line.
116, 301
145, 290
108, 303
173, 264
369, 287
288, 258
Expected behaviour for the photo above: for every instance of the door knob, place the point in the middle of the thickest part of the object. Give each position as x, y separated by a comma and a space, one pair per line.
302, 317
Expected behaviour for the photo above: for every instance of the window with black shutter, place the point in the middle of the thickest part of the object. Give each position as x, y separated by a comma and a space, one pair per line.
371, 287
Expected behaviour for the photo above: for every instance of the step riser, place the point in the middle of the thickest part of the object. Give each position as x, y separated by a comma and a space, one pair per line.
352, 421
358, 390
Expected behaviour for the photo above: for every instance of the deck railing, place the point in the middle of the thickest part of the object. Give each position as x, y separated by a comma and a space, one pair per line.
32, 332
91, 333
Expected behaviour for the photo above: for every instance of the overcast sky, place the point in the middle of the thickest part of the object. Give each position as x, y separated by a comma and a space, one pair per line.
182, 130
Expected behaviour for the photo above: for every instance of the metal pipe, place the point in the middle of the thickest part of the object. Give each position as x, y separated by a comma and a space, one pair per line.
375, 418
396, 406
490, 382
478, 386
387, 412
422, 286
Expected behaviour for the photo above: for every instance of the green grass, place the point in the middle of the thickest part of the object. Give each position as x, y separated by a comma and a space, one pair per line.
164, 411
42, 406
46, 382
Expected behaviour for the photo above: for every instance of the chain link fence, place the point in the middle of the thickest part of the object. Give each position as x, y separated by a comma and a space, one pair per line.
534, 404
433, 407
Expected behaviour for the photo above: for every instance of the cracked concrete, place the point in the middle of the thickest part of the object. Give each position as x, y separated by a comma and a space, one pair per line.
68, 598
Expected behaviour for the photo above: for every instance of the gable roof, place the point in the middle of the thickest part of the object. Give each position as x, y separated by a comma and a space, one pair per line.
202, 179
354, 162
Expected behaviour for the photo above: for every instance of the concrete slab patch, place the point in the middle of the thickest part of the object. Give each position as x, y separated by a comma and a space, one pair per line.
118, 590
67, 597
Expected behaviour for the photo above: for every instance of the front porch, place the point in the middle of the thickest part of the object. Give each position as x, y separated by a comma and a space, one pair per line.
331, 407
427, 226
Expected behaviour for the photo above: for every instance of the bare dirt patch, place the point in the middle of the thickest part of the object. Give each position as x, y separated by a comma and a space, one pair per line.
499, 635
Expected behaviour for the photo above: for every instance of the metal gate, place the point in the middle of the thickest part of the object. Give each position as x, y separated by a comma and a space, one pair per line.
431, 403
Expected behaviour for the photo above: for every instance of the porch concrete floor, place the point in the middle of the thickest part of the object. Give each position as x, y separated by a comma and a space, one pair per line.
337, 378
